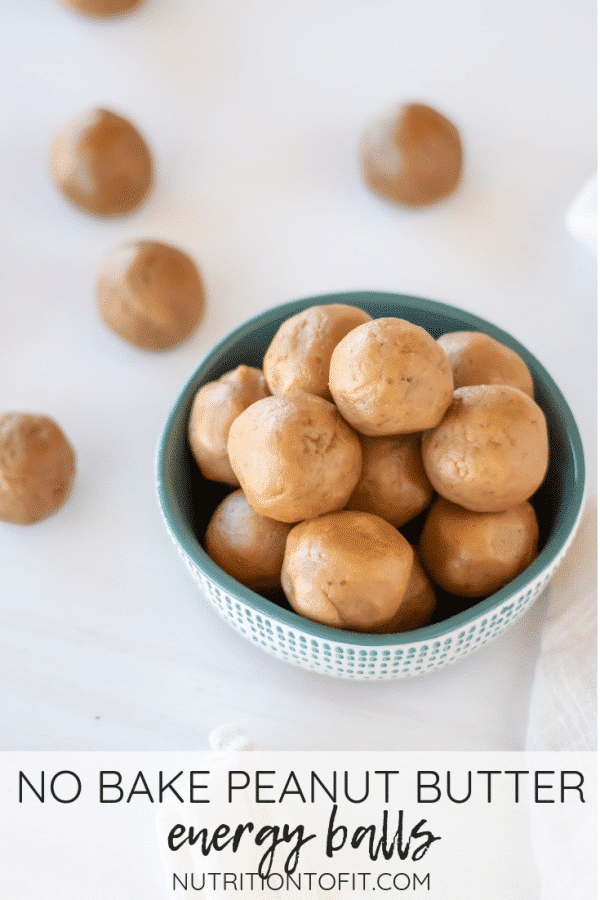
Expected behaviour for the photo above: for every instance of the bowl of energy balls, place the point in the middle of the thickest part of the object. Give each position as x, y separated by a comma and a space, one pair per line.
370, 485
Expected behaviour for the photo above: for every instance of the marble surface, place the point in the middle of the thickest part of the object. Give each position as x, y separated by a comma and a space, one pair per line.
254, 111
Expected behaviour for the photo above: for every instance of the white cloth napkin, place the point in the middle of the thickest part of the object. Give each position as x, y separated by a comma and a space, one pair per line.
563, 705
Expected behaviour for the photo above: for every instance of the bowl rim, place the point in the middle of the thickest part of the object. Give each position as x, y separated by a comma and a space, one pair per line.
189, 544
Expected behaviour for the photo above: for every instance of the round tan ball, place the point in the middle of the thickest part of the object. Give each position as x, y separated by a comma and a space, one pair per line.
418, 603
389, 376
100, 162
299, 355
37, 467
347, 569
412, 155
475, 554
247, 546
490, 451
392, 483
150, 294
215, 407
477, 358
103, 8
295, 457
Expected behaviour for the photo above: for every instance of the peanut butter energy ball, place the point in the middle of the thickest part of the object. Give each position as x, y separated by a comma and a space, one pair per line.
295, 457
412, 155
247, 546
37, 467
215, 407
389, 376
299, 354
150, 294
477, 358
474, 554
102, 8
101, 163
392, 483
490, 451
418, 603
347, 569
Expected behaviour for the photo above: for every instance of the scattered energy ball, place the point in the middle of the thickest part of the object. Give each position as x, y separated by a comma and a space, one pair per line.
101, 163
150, 294
389, 376
347, 569
477, 358
299, 354
101, 9
244, 544
214, 409
37, 467
412, 155
418, 603
474, 554
490, 451
295, 456
392, 483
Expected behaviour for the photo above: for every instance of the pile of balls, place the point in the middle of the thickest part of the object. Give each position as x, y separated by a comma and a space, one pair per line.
354, 427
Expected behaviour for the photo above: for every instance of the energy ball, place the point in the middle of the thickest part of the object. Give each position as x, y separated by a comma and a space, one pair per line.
347, 569
244, 544
150, 294
418, 603
490, 451
295, 457
215, 407
100, 162
474, 554
103, 8
389, 376
392, 483
477, 358
412, 155
37, 467
299, 354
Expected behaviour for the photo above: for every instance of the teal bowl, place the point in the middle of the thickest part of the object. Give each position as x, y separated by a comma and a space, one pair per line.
187, 501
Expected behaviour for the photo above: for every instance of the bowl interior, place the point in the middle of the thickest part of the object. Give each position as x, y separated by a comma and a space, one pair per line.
188, 500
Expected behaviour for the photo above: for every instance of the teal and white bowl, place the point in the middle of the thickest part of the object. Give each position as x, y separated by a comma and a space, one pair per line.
187, 501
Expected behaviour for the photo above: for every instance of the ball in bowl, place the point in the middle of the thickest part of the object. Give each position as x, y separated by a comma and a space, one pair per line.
473, 554
347, 569
393, 483
295, 456
389, 376
490, 451
299, 356
247, 546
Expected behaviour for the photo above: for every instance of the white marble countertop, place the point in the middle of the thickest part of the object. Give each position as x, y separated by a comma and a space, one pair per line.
253, 111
